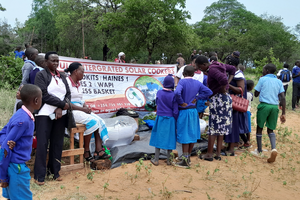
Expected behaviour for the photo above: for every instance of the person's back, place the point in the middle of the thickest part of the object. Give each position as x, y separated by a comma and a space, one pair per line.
165, 103
31, 54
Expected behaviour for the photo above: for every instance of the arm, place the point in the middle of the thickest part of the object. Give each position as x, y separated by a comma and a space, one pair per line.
47, 98
178, 96
240, 84
283, 103
204, 92
256, 93
83, 109
68, 94
176, 80
175, 109
294, 73
230, 70
25, 73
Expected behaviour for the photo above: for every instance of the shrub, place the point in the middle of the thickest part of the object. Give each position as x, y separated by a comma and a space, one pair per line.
10, 71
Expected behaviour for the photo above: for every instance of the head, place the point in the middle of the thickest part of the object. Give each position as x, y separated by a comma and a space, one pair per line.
195, 51
18, 48
31, 53
269, 69
206, 54
169, 82
211, 54
76, 70
241, 67
213, 58
297, 63
193, 61
133, 61
157, 62
121, 55
188, 71
250, 85
233, 59
286, 66
27, 46
202, 63
52, 60
179, 54
40, 61
200, 52
31, 96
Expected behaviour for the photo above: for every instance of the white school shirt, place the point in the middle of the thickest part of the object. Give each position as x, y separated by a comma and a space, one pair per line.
76, 93
57, 89
249, 98
198, 77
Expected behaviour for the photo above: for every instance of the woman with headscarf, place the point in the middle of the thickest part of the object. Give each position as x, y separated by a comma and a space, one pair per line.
51, 119
237, 86
83, 115
121, 58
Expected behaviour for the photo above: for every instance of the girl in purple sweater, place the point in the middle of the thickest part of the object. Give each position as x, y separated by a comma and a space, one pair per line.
163, 134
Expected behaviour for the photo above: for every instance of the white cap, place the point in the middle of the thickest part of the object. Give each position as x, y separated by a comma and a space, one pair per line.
121, 54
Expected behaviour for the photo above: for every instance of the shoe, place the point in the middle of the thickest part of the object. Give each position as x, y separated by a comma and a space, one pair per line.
183, 163
218, 158
154, 162
224, 153
39, 183
273, 156
208, 159
103, 157
257, 154
59, 178
180, 159
293, 109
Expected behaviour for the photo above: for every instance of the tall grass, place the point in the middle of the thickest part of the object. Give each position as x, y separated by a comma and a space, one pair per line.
7, 102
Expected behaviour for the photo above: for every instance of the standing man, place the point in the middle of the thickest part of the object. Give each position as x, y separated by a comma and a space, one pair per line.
193, 54
180, 61
296, 83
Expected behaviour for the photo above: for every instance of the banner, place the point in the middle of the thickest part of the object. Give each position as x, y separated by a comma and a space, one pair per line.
109, 86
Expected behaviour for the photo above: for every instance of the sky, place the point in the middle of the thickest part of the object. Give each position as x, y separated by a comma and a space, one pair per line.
287, 9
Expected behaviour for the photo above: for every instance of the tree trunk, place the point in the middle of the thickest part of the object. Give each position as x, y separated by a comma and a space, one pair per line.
149, 56
105, 51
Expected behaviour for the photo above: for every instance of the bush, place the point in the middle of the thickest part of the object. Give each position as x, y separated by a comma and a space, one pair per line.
10, 71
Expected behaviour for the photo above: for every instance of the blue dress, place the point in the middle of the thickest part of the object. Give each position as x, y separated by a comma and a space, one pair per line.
239, 119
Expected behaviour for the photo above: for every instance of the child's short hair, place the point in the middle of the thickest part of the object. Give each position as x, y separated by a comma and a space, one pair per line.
201, 60
189, 70
250, 85
241, 67
286, 66
39, 60
29, 92
213, 58
271, 68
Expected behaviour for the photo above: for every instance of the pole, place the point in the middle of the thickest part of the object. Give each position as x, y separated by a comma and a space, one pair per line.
82, 28
31, 36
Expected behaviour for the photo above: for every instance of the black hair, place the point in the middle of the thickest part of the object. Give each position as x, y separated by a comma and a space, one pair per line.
286, 66
212, 53
234, 58
39, 59
271, 68
49, 53
201, 60
29, 92
73, 66
214, 58
26, 46
194, 57
298, 61
179, 54
250, 84
18, 47
29, 51
189, 71
241, 67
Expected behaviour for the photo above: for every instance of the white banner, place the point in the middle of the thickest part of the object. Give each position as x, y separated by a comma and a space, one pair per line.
109, 86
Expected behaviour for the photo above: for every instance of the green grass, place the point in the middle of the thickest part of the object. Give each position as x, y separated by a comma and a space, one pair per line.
7, 103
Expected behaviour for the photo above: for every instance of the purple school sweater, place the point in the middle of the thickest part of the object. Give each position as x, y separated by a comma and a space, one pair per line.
166, 104
189, 89
217, 76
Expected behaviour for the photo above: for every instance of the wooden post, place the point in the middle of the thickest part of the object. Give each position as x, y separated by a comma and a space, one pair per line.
72, 147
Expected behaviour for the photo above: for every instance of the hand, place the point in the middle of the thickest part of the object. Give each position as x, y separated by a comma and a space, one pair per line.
183, 105
11, 144
4, 185
86, 110
282, 119
207, 103
66, 106
194, 101
58, 113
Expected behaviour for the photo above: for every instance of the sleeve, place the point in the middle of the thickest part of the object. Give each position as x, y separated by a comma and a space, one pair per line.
14, 134
204, 92
27, 67
258, 86
68, 94
279, 72
281, 88
294, 71
3, 134
178, 91
205, 80
230, 69
221, 78
175, 109
180, 73
47, 98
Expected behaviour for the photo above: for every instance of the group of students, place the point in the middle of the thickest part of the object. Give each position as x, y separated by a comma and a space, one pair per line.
207, 80
48, 94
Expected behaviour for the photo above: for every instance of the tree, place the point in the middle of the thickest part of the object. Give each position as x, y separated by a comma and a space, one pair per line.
1, 8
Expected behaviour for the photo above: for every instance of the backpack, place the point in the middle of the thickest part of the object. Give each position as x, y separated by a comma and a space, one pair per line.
285, 76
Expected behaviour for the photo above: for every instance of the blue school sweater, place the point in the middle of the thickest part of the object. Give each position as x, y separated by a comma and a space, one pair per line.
19, 129
166, 104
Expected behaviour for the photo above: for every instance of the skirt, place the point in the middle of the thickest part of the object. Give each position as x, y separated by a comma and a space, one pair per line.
163, 134
201, 105
220, 118
92, 123
188, 126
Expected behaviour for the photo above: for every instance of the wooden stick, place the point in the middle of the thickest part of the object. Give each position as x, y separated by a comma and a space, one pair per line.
32, 36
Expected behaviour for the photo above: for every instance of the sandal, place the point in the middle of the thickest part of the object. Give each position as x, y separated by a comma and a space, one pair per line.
103, 157
218, 158
89, 158
154, 162
39, 183
203, 158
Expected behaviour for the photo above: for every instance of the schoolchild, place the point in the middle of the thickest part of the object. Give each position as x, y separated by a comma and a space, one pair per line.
14, 174
187, 93
163, 134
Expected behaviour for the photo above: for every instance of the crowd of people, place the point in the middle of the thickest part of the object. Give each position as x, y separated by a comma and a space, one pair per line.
46, 94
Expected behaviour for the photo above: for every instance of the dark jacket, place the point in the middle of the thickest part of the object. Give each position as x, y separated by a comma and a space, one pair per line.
43, 79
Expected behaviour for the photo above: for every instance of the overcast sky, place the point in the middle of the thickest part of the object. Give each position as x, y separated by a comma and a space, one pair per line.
287, 9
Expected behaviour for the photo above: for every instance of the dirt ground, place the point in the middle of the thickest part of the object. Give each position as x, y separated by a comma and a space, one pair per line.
241, 177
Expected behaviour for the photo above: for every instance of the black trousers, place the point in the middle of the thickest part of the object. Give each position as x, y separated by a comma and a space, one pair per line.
53, 130
296, 89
